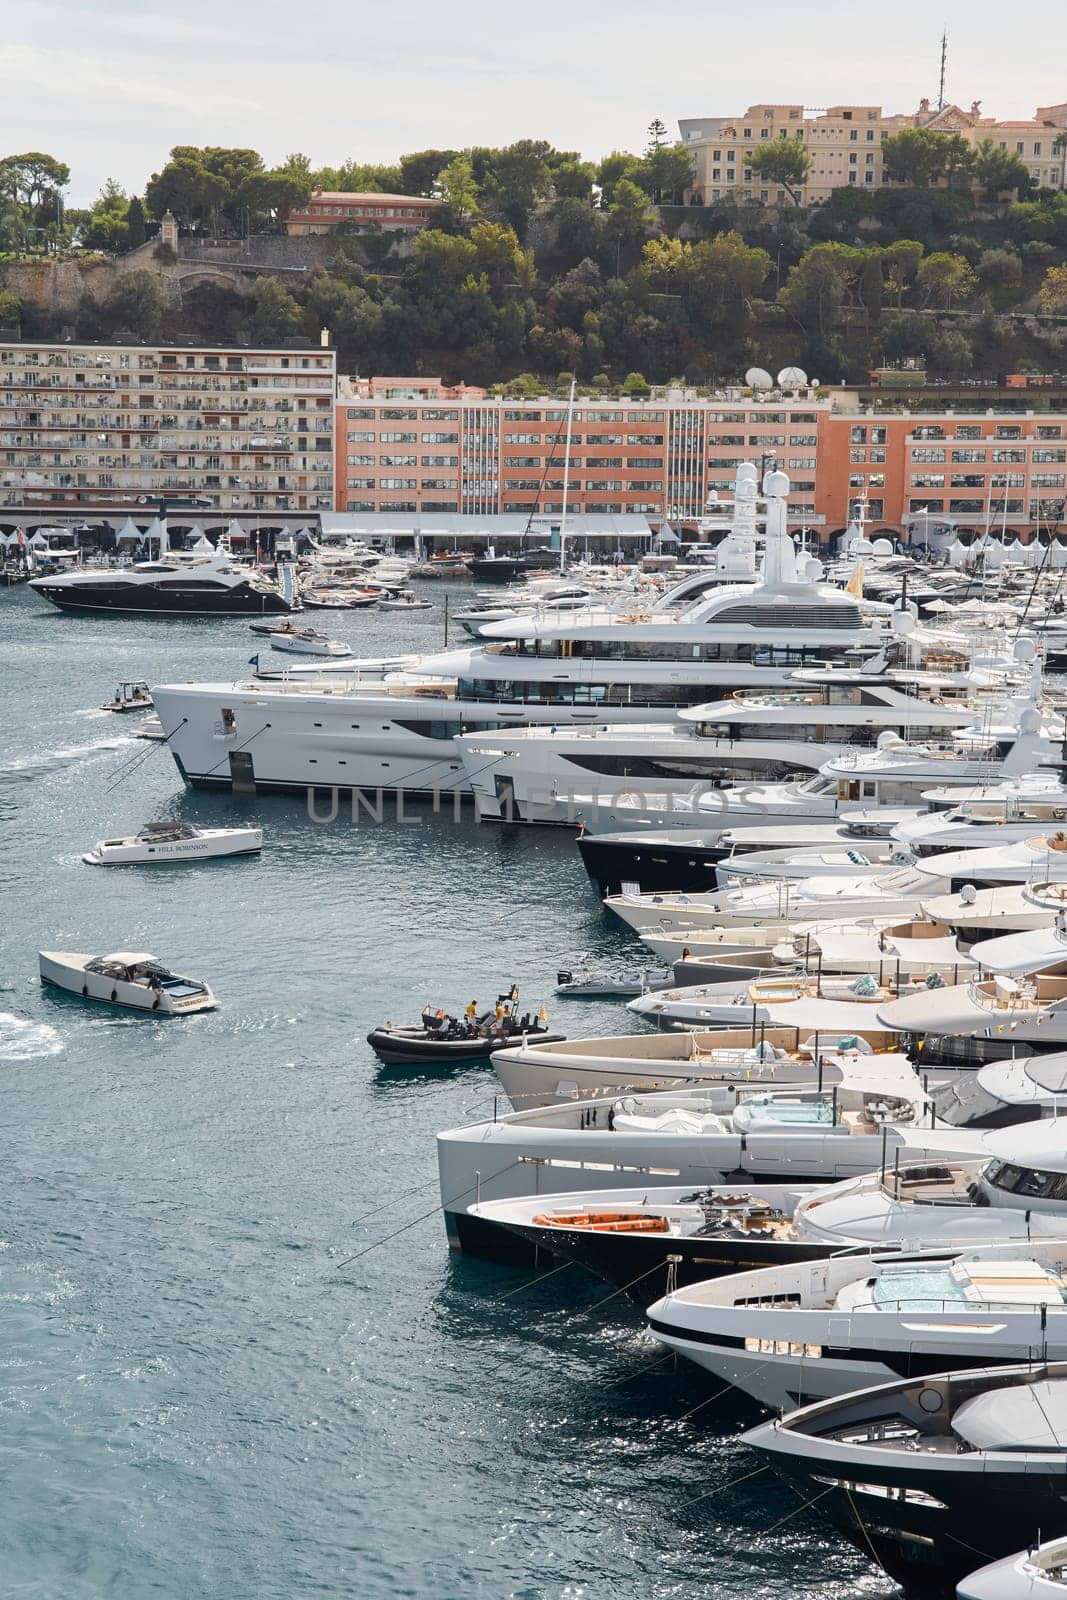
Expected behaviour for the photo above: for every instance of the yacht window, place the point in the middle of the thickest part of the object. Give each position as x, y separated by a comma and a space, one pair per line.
1033, 1182
1002, 1175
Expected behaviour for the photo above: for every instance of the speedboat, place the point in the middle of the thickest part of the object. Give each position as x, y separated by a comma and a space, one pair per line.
933, 1474
131, 695
284, 625
126, 978
340, 599
787, 1335
174, 841
405, 600
306, 642
1031, 1574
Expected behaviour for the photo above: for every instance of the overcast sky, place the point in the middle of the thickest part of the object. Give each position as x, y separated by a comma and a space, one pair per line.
110, 86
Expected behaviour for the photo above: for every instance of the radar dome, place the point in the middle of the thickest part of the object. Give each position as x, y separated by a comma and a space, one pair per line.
746, 472
756, 378
968, 894
859, 546
792, 378
812, 570
1030, 720
889, 740
777, 484
902, 623
882, 547
1024, 650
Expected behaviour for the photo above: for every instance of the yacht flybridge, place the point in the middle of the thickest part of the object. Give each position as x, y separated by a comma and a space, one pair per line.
592, 667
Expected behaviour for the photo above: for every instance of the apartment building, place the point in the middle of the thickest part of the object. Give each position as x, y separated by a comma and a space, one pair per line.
482, 455
328, 208
845, 146
92, 426
960, 467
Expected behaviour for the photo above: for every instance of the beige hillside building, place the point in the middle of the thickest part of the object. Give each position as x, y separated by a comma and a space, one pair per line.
845, 145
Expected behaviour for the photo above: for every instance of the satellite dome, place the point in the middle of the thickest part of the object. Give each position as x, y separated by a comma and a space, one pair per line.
1029, 720
812, 570
746, 472
792, 378
756, 378
902, 623
968, 894
889, 740
777, 484
860, 546
1024, 650
882, 547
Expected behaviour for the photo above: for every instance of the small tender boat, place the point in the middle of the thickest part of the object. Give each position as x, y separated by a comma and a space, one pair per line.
340, 599
443, 1038
284, 625
126, 978
150, 728
306, 642
131, 695
174, 841
404, 600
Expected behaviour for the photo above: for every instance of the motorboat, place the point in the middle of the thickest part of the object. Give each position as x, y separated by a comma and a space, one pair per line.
1039, 858
789, 864
150, 728
1032, 1574
934, 1474
648, 1243
341, 599
126, 978
280, 625
174, 585
442, 1038
827, 1004
405, 600
1038, 807
541, 1074
131, 695
160, 842
306, 642
894, 893
732, 1132
787, 1335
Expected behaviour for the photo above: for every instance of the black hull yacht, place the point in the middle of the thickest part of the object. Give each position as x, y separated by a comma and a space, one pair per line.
651, 1244
657, 862
513, 569
173, 586
933, 1477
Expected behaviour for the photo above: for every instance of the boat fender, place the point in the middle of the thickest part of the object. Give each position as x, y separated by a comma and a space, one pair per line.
155, 1003
85, 990
114, 994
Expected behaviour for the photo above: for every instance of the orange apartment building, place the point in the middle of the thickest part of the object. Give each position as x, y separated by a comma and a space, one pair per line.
414, 445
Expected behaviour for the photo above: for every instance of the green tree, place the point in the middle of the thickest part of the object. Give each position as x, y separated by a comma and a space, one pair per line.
657, 136
458, 188
273, 313
900, 261
614, 167
916, 156
1000, 273
420, 171
574, 180
443, 258
944, 279
781, 161
825, 277
636, 385
135, 228
629, 211
135, 304
500, 256
999, 171
665, 173
10, 309
518, 179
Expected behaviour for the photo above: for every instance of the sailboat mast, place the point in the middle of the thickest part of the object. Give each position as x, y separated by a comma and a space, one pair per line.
566, 475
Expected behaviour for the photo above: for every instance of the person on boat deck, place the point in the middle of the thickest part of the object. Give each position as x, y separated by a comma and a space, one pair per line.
471, 1011
429, 1018
499, 1011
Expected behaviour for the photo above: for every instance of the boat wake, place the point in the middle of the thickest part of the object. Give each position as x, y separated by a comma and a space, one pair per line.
46, 761
22, 1040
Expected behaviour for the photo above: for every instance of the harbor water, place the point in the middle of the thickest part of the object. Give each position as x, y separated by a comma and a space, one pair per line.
237, 1358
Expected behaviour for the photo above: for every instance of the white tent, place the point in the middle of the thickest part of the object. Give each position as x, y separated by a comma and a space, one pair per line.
959, 554
235, 531
1058, 554
1014, 551
129, 533
203, 546
38, 539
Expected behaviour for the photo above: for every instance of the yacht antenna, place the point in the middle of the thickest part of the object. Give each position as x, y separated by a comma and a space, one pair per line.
941, 85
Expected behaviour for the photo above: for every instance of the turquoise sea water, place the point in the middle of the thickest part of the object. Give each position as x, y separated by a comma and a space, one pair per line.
200, 1394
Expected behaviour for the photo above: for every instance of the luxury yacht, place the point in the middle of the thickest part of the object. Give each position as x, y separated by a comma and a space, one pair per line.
650, 1243
540, 1074
160, 842
1035, 859
787, 1335
1037, 808
933, 1475
592, 667
690, 1137
175, 585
